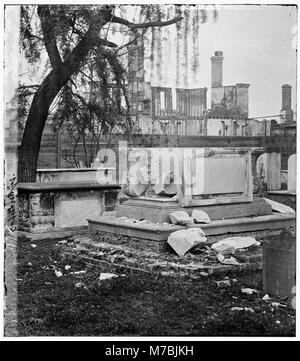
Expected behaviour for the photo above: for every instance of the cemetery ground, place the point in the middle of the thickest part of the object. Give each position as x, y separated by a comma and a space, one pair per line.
57, 297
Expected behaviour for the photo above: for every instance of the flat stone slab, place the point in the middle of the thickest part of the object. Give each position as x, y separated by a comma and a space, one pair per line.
283, 192
158, 232
63, 186
149, 230
57, 234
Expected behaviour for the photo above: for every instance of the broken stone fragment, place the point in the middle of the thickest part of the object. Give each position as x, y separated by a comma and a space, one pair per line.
168, 190
135, 189
200, 216
266, 297
166, 186
279, 207
228, 261
247, 309
237, 242
184, 240
224, 249
180, 217
137, 182
223, 283
106, 276
249, 291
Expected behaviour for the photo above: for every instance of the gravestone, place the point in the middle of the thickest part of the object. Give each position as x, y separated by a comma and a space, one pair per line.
292, 166
268, 167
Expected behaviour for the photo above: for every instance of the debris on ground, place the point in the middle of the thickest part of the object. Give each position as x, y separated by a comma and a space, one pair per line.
223, 283
78, 272
33, 245
143, 221
200, 216
224, 249
266, 297
167, 273
44, 295
58, 273
185, 239
228, 261
204, 274
247, 309
249, 291
106, 276
277, 304
64, 241
181, 218
279, 207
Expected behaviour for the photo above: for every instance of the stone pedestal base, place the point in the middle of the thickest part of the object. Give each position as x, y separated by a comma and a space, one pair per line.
153, 237
157, 210
284, 196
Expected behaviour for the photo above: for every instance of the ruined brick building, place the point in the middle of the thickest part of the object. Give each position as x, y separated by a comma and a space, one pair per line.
165, 110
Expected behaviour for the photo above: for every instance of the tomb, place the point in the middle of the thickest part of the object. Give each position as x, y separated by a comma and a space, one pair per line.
48, 207
287, 196
162, 180
66, 175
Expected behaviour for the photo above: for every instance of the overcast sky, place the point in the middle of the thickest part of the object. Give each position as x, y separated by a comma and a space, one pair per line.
257, 42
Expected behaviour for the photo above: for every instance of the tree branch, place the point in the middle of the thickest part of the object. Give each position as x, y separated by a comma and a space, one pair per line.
49, 36
137, 36
104, 42
75, 57
151, 24
28, 86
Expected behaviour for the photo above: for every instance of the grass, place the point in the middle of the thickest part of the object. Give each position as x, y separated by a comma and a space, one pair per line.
136, 305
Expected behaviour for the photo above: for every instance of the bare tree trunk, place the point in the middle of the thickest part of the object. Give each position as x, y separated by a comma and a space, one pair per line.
50, 87
31, 140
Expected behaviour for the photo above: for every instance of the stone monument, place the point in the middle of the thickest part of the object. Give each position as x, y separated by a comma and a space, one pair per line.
159, 181
215, 180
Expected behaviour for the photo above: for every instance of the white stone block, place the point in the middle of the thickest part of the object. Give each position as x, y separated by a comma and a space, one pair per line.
200, 216
184, 240
180, 217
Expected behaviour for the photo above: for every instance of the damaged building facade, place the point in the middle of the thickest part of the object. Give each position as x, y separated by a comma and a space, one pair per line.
183, 111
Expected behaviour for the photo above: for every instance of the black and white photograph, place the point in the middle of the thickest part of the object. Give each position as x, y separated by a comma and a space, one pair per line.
149, 173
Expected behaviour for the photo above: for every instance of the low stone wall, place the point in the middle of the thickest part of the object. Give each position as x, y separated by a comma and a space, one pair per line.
46, 207
120, 258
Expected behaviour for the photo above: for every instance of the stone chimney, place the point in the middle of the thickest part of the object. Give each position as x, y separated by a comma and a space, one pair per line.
136, 75
286, 97
286, 108
217, 69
